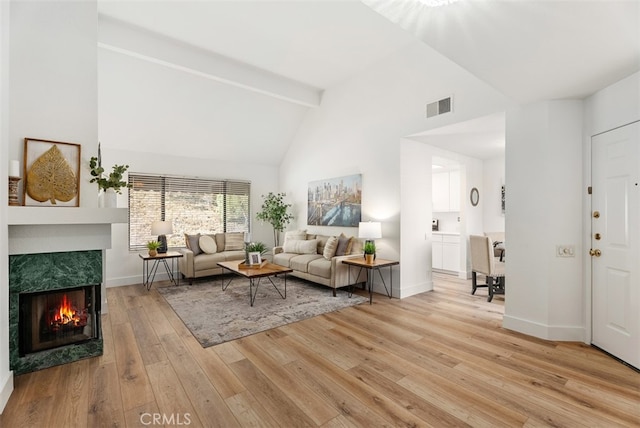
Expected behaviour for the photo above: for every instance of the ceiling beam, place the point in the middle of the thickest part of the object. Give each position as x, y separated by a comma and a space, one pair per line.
116, 36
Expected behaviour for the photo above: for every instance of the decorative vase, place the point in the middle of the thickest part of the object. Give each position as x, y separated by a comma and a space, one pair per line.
153, 253
368, 258
108, 199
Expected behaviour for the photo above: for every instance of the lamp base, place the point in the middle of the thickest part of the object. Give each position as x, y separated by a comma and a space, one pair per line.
162, 239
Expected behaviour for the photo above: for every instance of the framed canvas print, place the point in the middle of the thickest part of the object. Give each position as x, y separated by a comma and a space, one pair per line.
335, 201
52, 173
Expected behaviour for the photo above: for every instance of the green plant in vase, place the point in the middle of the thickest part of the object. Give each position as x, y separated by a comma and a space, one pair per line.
153, 246
253, 247
114, 180
369, 249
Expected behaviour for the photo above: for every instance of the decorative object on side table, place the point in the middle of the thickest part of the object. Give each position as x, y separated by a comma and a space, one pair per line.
111, 185
153, 246
369, 231
52, 173
162, 229
275, 212
369, 251
14, 179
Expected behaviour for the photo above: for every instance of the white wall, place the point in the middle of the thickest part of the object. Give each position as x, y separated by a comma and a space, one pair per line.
493, 217
52, 77
614, 106
125, 267
358, 129
161, 120
6, 376
544, 205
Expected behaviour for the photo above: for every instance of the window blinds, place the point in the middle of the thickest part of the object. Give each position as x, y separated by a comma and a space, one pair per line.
193, 205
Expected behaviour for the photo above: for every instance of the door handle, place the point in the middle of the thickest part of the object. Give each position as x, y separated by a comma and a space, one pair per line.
595, 252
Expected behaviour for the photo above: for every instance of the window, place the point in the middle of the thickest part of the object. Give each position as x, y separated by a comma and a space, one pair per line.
193, 205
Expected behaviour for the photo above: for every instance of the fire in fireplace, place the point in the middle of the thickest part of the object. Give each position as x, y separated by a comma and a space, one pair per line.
50, 319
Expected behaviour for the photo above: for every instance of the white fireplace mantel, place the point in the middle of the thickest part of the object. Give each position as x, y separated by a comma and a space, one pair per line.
55, 229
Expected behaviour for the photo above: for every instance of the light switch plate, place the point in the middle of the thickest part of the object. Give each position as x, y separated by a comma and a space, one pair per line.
565, 251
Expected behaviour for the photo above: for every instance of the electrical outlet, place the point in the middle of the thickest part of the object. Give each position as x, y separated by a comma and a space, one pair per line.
565, 251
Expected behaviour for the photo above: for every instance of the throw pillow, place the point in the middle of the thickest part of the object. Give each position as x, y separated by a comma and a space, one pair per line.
234, 241
344, 245
193, 243
208, 244
300, 246
295, 235
220, 241
330, 248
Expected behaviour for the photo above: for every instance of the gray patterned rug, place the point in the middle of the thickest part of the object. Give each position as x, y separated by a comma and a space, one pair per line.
215, 316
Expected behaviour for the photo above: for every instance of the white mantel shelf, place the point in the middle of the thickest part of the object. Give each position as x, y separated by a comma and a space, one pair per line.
66, 215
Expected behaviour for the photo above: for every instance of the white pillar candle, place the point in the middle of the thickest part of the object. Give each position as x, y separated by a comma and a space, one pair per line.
14, 169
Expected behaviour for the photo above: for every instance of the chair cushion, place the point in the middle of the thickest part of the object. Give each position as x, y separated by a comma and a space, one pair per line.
320, 267
234, 255
301, 262
208, 261
283, 259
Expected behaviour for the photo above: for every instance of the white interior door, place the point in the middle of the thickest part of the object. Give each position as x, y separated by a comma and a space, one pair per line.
615, 242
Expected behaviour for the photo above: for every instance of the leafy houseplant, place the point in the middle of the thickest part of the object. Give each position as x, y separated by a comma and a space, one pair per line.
369, 247
113, 181
369, 251
255, 247
153, 246
275, 212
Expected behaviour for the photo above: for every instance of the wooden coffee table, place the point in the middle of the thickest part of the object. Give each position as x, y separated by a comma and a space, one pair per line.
268, 271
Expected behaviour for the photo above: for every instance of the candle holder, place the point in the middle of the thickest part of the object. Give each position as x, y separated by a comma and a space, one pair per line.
13, 191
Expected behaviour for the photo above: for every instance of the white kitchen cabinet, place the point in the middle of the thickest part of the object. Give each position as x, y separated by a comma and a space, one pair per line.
446, 191
446, 252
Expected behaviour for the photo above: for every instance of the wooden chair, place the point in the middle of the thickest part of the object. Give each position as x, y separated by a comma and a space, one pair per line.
484, 262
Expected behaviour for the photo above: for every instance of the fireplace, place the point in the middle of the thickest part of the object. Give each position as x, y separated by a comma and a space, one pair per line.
50, 319
54, 308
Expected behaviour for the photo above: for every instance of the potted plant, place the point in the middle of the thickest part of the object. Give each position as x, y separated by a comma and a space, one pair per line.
112, 184
153, 246
253, 249
369, 251
275, 212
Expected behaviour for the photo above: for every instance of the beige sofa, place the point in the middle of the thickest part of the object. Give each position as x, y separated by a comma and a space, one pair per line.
203, 252
313, 257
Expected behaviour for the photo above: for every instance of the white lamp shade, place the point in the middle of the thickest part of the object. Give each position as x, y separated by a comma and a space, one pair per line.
370, 230
161, 228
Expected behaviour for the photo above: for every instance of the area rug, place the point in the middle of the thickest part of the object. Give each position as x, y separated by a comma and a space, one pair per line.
214, 316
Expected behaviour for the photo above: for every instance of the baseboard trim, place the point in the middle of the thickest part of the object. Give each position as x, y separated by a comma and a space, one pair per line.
6, 390
543, 331
415, 289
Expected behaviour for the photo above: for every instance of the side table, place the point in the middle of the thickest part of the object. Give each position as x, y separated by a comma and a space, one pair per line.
149, 274
371, 269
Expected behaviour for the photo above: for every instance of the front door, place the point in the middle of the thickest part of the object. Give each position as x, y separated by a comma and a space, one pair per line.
615, 242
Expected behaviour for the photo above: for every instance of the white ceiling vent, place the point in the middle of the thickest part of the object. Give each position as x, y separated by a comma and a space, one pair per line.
442, 106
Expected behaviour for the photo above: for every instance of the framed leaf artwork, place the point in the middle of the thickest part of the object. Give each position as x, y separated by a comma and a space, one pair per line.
52, 173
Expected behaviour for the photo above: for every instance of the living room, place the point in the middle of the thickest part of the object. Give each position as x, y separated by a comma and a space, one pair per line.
159, 119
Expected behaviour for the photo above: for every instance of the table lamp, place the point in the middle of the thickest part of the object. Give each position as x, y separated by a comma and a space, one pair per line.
370, 230
162, 228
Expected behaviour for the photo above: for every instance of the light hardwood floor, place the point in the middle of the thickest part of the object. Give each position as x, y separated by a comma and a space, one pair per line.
436, 359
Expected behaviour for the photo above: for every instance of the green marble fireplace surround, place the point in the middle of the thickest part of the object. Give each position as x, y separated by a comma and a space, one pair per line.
44, 272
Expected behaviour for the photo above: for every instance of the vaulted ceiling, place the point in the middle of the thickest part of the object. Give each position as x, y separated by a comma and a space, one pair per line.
528, 50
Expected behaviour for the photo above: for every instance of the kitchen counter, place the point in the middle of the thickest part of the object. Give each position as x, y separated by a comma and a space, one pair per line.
441, 232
